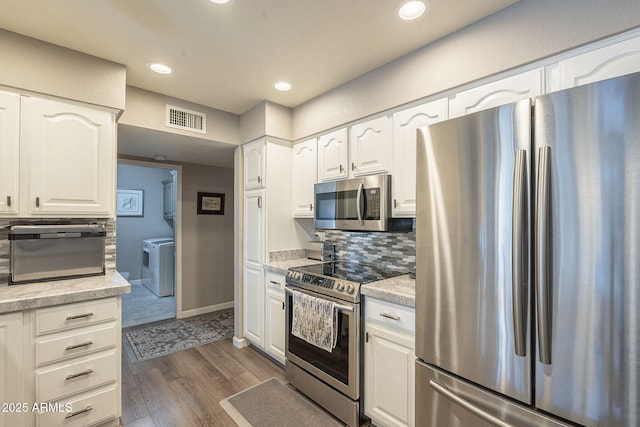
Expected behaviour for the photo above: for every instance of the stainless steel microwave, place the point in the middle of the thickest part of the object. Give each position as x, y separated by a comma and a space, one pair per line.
360, 204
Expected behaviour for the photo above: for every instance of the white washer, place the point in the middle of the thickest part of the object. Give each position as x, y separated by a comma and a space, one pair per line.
158, 265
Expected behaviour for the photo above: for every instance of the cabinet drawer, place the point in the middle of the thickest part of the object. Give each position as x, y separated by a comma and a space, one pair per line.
391, 314
75, 343
81, 410
60, 317
274, 280
75, 377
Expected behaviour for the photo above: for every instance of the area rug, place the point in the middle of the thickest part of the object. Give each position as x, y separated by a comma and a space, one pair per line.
274, 404
164, 338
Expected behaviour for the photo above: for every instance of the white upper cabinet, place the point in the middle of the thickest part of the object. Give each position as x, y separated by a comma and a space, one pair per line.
505, 91
305, 175
370, 147
405, 125
68, 159
600, 64
9, 152
333, 155
254, 165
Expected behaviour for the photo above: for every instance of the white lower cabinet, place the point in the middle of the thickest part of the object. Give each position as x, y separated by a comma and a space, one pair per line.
13, 371
62, 364
275, 316
389, 364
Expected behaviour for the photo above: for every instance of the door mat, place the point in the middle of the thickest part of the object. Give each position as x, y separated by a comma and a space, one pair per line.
274, 404
161, 339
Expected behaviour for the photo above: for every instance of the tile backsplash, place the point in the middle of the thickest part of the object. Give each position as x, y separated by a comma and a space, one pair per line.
390, 250
110, 240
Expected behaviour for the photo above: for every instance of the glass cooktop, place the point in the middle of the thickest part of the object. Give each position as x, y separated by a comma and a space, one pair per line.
351, 271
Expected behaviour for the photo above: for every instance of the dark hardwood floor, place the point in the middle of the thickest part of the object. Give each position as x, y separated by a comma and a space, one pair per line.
184, 388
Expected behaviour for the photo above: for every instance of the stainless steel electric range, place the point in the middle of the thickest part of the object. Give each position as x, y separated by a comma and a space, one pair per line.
332, 379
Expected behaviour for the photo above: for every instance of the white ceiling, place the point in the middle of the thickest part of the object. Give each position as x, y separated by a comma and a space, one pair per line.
228, 57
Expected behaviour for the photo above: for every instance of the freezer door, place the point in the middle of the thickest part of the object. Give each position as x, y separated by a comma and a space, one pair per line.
444, 401
468, 293
587, 148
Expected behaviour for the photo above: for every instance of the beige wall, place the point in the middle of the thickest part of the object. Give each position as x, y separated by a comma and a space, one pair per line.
526, 32
35, 66
148, 110
207, 240
266, 119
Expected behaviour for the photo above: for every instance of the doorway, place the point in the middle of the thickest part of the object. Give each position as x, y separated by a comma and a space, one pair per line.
147, 241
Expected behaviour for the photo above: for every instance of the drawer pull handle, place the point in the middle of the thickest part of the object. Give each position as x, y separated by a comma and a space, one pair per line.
80, 316
274, 282
81, 374
82, 411
390, 316
8, 200
73, 347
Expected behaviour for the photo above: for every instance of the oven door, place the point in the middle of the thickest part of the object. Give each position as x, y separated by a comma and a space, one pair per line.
341, 368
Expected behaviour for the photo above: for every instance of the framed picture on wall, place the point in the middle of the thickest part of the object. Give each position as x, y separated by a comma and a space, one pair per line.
130, 202
210, 203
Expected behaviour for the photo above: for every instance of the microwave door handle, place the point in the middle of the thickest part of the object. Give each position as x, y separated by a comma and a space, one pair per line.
359, 207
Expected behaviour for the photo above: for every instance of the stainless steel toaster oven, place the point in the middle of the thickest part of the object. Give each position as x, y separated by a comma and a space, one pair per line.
52, 252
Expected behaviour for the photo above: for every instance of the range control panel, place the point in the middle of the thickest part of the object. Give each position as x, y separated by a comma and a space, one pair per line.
341, 289
318, 281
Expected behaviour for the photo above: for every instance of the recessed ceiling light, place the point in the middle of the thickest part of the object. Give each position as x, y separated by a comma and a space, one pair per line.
160, 68
160, 157
414, 9
221, 1
282, 86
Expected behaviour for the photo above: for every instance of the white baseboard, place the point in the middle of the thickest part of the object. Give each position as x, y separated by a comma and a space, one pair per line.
240, 342
204, 310
136, 281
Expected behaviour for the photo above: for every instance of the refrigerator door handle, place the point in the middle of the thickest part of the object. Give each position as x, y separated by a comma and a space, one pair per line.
543, 282
519, 254
480, 413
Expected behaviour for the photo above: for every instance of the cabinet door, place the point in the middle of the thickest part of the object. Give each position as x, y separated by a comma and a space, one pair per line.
9, 152
305, 175
13, 371
168, 199
275, 325
405, 125
389, 363
604, 63
254, 165
254, 229
370, 147
253, 306
253, 244
526, 85
69, 158
333, 155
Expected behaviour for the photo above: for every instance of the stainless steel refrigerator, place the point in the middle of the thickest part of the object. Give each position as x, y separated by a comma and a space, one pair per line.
528, 262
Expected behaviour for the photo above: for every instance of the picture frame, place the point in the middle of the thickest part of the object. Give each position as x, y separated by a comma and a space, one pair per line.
210, 203
130, 202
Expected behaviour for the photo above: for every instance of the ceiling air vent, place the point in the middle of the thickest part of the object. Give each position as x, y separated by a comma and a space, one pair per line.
181, 118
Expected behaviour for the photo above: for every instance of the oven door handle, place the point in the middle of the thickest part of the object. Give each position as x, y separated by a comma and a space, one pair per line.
339, 307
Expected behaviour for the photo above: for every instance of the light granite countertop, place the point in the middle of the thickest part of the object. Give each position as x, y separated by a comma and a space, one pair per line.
43, 294
282, 266
399, 290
